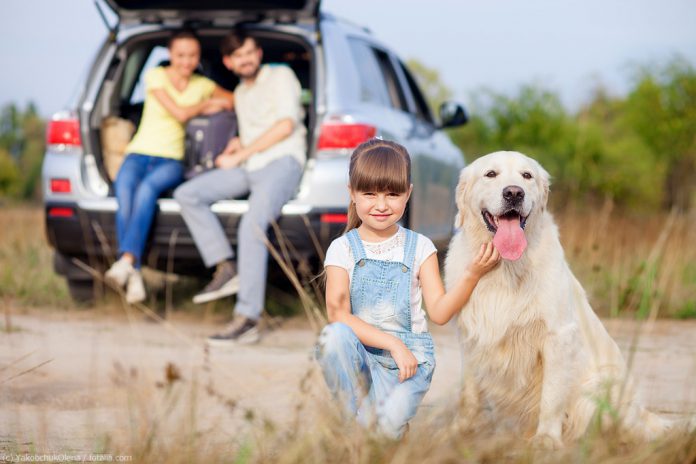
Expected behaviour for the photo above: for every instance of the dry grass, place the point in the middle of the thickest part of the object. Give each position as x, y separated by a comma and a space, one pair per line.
633, 265
26, 262
319, 436
629, 265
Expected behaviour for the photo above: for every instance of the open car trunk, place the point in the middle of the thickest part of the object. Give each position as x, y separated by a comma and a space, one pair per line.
159, 11
119, 105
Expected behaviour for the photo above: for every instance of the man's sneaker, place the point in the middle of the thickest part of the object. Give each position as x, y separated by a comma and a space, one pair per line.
135, 291
225, 283
241, 331
118, 273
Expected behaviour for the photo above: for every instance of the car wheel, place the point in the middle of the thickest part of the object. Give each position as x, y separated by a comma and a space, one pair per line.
81, 291
81, 284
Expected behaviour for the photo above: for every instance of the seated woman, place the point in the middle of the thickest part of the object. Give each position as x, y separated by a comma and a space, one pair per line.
174, 94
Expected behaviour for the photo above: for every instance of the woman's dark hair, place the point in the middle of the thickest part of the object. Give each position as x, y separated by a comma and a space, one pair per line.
377, 166
182, 34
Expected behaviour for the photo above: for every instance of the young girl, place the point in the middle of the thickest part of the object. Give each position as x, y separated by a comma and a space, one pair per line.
376, 354
174, 95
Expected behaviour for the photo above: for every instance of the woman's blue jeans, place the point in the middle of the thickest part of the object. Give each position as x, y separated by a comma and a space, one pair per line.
140, 181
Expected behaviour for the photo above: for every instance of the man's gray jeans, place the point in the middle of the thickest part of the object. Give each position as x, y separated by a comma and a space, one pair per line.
270, 188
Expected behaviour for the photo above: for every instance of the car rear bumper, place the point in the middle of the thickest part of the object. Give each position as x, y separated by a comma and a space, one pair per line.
83, 230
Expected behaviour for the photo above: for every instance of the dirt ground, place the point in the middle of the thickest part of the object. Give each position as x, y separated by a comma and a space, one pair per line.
81, 381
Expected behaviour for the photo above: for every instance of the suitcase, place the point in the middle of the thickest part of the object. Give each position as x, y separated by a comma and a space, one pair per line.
206, 137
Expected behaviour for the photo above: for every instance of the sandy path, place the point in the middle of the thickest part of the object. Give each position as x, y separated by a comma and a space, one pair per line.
102, 374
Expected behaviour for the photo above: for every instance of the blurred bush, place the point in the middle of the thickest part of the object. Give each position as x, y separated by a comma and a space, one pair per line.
639, 150
22, 146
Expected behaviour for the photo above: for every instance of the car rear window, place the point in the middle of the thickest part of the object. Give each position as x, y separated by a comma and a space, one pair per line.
157, 56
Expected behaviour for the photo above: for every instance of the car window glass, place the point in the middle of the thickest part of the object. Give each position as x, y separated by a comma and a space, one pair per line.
158, 55
422, 108
396, 93
130, 72
373, 89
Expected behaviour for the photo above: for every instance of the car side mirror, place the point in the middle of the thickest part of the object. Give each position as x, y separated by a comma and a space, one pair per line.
452, 115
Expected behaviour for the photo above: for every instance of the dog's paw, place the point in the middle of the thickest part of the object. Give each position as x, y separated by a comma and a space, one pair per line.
546, 442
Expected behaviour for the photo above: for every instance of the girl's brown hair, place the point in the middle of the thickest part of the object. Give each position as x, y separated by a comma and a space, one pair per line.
377, 166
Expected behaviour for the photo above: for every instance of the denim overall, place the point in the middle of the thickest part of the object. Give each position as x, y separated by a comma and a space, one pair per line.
380, 294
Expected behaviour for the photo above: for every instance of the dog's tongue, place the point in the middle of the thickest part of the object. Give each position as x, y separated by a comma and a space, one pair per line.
509, 239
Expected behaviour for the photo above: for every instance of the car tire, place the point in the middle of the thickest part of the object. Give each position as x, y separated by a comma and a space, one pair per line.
82, 287
82, 292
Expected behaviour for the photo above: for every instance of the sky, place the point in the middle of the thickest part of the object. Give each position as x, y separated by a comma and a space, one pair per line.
568, 46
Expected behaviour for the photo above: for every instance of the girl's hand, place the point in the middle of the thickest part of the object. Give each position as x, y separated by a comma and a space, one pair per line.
485, 260
405, 361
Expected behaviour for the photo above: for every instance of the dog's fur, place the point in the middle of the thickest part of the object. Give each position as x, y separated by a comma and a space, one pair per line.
535, 354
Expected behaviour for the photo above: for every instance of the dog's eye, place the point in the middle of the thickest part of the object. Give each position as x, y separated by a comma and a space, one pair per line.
527, 175
491, 174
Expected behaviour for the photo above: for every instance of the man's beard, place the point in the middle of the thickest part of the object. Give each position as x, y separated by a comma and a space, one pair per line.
250, 74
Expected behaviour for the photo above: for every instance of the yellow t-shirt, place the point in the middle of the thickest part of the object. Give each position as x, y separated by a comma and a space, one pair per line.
159, 133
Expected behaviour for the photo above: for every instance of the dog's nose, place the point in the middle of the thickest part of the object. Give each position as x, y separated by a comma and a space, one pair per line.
513, 193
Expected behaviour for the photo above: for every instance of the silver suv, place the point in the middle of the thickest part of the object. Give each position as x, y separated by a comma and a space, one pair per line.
354, 88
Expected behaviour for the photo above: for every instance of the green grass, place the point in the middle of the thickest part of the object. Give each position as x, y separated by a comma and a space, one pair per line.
688, 311
26, 262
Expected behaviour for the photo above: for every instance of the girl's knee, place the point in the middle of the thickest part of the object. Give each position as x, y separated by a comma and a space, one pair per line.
334, 338
397, 411
336, 331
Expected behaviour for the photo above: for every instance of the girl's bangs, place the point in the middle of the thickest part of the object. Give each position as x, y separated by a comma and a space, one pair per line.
376, 172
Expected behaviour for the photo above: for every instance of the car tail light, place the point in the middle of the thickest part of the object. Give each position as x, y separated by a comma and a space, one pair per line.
60, 186
344, 135
63, 129
330, 218
61, 212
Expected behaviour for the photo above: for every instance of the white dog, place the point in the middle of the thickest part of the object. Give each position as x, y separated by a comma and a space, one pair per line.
534, 351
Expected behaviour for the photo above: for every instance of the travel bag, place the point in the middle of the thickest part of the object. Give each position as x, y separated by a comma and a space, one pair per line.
206, 137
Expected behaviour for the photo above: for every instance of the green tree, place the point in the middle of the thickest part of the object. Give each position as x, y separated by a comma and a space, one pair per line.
33, 149
662, 110
22, 140
9, 174
11, 129
618, 163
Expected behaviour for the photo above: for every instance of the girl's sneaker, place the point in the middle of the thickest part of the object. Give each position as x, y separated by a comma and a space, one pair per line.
135, 291
118, 273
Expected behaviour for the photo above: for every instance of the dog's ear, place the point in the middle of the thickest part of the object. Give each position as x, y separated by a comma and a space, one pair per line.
459, 195
544, 182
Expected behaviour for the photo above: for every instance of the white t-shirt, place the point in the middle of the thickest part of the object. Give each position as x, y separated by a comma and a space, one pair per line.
392, 249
